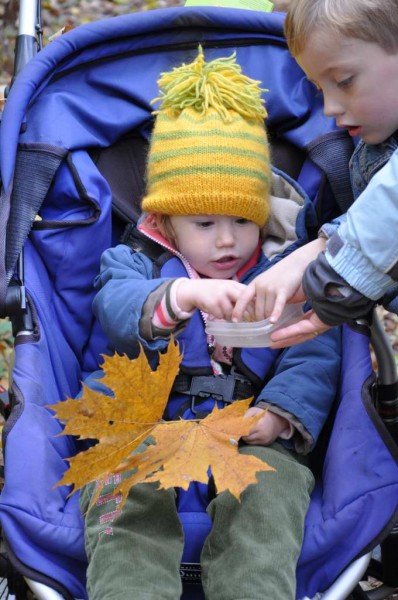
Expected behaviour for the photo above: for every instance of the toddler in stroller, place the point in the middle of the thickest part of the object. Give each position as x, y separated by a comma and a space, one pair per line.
77, 113
207, 213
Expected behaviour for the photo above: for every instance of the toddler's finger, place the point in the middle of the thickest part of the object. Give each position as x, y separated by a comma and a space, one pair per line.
249, 314
242, 303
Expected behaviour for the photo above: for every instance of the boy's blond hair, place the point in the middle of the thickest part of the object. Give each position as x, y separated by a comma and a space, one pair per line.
370, 20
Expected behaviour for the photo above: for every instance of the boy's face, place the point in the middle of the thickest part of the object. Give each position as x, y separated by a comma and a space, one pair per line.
217, 246
359, 81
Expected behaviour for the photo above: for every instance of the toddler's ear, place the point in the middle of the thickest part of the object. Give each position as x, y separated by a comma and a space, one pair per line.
157, 222
152, 220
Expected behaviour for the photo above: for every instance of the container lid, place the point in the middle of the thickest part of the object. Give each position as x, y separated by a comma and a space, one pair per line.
253, 334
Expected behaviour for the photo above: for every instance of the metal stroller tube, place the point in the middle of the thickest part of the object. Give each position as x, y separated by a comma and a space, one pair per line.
387, 406
26, 45
387, 398
345, 583
27, 18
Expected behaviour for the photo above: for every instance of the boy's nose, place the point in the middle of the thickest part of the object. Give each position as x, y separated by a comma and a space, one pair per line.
331, 106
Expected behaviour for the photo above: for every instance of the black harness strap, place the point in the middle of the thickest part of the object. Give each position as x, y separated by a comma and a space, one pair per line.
123, 165
225, 388
134, 239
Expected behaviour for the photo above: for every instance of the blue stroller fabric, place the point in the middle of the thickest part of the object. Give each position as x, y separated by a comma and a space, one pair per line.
86, 91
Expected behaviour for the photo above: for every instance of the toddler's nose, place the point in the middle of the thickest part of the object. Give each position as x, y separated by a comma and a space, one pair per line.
225, 236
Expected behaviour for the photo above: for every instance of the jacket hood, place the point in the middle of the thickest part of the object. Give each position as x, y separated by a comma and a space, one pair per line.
287, 224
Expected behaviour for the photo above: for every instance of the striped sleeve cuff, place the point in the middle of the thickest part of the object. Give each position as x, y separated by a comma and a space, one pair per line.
168, 314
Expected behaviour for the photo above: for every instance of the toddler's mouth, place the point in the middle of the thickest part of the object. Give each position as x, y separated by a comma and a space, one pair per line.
226, 262
225, 259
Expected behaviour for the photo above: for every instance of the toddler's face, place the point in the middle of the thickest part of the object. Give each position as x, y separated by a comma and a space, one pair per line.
217, 246
359, 82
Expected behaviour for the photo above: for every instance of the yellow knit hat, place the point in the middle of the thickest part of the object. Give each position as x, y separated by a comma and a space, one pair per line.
209, 151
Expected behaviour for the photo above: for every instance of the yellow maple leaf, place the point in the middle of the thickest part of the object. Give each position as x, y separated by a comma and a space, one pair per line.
185, 450
181, 451
119, 423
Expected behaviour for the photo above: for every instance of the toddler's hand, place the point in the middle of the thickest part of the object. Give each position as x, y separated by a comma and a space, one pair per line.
216, 297
267, 429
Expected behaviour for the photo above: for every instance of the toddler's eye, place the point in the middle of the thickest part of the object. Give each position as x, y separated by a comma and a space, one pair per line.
204, 224
242, 221
345, 82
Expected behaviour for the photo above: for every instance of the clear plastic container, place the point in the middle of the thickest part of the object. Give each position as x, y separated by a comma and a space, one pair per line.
253, 334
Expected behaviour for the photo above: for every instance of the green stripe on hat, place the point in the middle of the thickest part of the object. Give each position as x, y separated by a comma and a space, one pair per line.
193, 150
211, 170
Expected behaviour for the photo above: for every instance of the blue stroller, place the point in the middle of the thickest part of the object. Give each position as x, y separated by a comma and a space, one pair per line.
73, 140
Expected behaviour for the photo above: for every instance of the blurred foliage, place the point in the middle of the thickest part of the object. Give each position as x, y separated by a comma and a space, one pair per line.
6, 347
59, 14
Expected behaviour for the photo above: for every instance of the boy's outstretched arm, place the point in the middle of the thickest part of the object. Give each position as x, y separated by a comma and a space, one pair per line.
269, 292
308, 327
333, 302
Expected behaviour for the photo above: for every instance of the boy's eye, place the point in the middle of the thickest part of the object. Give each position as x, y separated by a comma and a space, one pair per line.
345, 82
242, 221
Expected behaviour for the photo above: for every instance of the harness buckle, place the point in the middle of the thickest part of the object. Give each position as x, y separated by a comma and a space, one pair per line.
220, 387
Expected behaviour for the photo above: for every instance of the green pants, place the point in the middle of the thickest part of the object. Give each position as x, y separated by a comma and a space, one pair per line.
250, 554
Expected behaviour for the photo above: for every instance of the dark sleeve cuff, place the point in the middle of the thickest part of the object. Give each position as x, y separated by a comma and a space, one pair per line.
333, 300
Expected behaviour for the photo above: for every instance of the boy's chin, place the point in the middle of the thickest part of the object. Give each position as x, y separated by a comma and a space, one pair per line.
376, 137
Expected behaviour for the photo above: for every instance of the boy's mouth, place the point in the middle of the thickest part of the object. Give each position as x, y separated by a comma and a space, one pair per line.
353, 130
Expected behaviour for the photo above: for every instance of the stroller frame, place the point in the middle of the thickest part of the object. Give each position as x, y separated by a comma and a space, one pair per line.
27, 44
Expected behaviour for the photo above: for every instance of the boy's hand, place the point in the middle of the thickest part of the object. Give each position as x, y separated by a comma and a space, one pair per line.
267, 295
308, 327
269, 292
266, 429
216, 297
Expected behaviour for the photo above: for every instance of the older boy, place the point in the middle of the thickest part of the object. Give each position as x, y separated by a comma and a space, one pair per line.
349, 49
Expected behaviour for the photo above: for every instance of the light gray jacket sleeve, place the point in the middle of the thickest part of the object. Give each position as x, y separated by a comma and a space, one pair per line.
364, 248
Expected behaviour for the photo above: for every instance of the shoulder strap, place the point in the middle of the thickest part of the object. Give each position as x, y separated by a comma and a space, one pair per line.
35, 168
133, 238
332, 153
